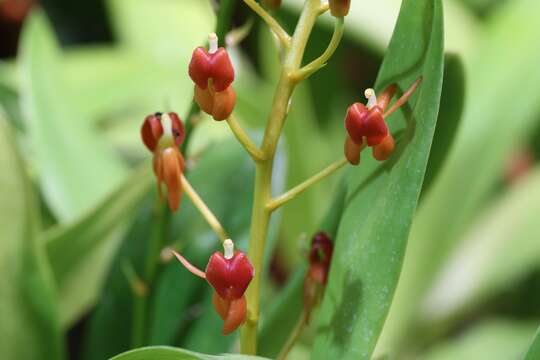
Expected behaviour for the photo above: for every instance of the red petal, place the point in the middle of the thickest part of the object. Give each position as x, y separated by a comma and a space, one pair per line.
221, 70
229, 277
177, 128
235, 316
151, 131
199, 67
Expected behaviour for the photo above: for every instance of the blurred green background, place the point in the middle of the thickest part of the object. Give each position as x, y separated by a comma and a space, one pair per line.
76, 194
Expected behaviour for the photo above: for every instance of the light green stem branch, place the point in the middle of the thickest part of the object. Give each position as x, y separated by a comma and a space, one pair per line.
282, 35
297, 190
318, 63
263, 177
245, 140
203, 209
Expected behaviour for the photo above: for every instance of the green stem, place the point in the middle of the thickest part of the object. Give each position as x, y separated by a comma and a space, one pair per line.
282, 35
275, 203
244, 139
318, 63
263, 178
293, 337
152, 261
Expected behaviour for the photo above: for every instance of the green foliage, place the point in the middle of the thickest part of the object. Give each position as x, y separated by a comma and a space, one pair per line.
30, 325
81, 252
78, 213
76, 167
494, 339
534, 350
475, 164
373, 231
168, 353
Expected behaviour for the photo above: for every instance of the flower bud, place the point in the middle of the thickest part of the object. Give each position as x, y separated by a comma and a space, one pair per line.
232, 312
154, 132
229, 277
383, 151
352, 151
162, 134
362, 122
208, 65
320, 256
272, 4
229, 274
339, 8
219, 105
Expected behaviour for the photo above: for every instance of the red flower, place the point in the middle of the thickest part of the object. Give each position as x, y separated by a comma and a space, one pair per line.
272, 4
339, 8
229, 274
162, 134
213, 73
366, 124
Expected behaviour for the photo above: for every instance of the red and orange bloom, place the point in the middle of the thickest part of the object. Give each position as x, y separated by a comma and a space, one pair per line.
213, 73
163, 133
366, 125
272, 4
229, 274
320, 257
339, 8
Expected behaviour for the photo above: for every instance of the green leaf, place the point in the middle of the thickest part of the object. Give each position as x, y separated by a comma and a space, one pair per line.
81, 252
109, 329
450, 114
507, 230
170, 353
493, 339
29, 327
475, 165
534, 349
381, 199
76, 169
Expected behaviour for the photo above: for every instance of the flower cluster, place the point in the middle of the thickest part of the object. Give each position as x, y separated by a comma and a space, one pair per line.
163, 133
229, 274
213, 73
366, 126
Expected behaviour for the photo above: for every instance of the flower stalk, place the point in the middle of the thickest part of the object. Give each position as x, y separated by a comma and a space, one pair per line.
263, 179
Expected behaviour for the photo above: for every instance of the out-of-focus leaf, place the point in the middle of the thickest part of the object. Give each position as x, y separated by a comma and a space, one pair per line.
170, 353
495, 339
533, 352
29, 327
509, 230
284, 311
9, 100
110, 325
165, 33
486, 135
382, 198
76, 169
112, 81
81, 252
450, 114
